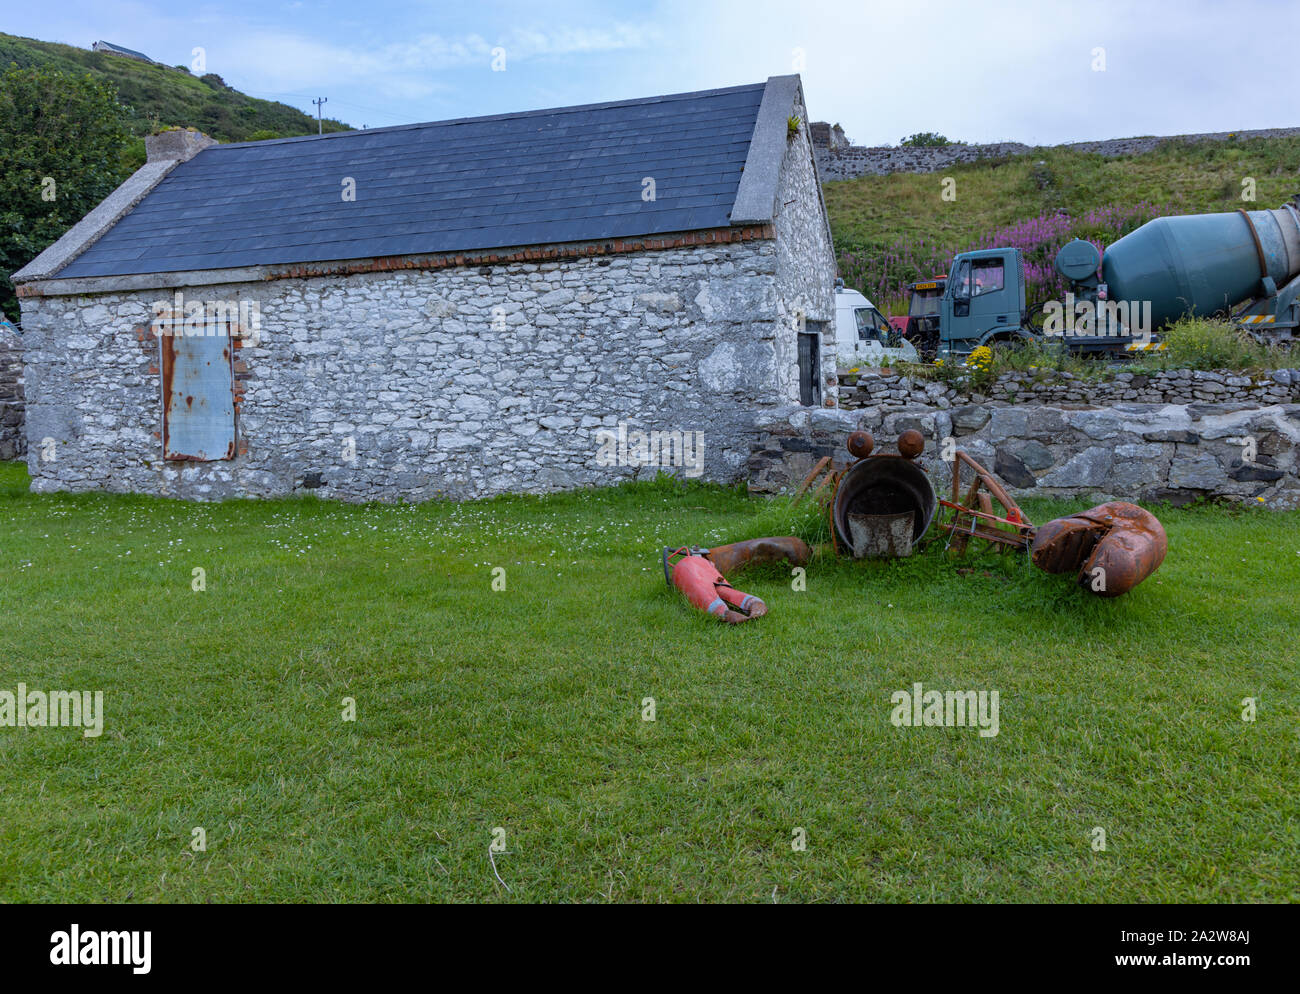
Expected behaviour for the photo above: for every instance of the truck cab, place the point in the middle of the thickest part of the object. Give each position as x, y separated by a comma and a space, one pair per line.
863, 337
983, 301
921, 325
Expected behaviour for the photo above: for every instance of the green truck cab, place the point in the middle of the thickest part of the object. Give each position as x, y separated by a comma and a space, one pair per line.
984, 303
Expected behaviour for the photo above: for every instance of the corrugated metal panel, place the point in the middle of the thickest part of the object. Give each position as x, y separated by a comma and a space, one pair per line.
198, 394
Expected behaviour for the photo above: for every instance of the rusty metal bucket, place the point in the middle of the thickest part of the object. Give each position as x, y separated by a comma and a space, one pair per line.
877, 493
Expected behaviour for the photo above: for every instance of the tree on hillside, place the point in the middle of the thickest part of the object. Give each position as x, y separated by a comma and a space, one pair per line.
925, 139
61, 137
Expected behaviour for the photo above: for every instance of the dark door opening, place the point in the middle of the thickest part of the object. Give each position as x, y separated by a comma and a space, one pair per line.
810, 367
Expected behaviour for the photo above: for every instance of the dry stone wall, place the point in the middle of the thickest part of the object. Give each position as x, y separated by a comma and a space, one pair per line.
1180, 386
1169, 439
13, 439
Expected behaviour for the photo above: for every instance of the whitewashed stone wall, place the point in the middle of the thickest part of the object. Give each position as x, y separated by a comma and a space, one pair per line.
806, 263
415, 368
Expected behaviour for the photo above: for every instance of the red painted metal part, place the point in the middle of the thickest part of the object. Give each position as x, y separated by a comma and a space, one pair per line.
708, 590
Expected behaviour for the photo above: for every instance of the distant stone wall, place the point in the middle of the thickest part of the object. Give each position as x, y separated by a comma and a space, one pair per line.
13, 438
1182, 386
838, 162
848, 163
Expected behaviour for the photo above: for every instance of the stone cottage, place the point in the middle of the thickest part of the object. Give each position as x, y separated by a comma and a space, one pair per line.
522, 302
130, 53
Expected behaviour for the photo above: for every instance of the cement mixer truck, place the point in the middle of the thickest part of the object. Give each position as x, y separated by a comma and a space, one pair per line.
1244, 264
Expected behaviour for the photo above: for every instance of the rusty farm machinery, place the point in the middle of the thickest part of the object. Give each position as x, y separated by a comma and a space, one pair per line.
881, 504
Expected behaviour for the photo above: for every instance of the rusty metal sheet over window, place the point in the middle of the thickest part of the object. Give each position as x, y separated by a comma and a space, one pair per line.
198, 393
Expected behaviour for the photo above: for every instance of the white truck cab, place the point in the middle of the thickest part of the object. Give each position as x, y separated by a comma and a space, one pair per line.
863, 336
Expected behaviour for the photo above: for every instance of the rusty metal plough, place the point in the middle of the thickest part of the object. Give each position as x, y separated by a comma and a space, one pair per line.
1111, 547
974, 515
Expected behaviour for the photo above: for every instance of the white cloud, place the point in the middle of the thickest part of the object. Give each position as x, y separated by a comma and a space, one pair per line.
979, 70
989, 70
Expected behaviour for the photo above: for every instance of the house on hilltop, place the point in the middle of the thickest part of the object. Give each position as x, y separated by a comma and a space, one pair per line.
464, 307
108, 46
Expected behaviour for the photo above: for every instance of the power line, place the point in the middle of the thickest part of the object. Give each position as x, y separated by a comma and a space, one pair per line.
319, 102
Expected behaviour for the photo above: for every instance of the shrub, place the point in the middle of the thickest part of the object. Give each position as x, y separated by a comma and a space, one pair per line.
925, 139
60, 125
1201, 343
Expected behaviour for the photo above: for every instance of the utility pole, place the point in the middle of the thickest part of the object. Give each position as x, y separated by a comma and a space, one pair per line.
318, 101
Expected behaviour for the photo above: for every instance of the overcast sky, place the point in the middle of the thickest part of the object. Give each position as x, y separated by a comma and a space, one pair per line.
981, 70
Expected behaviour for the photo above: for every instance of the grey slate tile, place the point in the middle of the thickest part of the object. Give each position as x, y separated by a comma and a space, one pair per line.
569, 174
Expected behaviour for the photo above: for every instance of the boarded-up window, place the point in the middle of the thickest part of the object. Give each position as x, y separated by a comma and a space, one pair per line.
198, 393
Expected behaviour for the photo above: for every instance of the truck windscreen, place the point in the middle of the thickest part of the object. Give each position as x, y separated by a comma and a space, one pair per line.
924, 305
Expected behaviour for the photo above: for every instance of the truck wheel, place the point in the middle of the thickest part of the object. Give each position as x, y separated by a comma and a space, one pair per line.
1036, 319
926, 341
1007, 343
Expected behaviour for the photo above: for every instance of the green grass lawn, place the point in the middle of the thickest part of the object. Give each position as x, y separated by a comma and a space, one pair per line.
521, 709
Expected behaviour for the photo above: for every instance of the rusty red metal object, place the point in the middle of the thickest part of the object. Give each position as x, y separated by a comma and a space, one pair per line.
707, 589
870, 495
876, 485
1113, 547
860, 444
975, 516
911, 444
729, 558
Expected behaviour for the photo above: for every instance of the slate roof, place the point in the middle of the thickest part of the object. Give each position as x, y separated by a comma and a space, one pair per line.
108, 46
569, 174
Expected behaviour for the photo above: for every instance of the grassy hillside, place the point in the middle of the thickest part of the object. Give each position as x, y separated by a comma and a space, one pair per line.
153, 97
893, 229
161, 96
